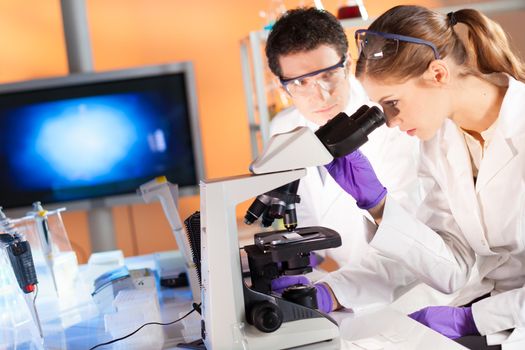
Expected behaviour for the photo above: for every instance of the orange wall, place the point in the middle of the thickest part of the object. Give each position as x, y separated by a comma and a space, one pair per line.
130, 33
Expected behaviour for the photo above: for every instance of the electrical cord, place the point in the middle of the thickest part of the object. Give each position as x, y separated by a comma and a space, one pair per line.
36, 312
36, 294
196, 307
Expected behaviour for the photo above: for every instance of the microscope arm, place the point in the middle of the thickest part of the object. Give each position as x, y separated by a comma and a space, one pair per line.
302, 148
299, 148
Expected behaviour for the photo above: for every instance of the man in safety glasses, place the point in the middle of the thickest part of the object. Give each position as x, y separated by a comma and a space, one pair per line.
307, 50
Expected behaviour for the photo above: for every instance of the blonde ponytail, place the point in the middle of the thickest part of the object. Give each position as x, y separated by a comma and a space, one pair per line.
492, 52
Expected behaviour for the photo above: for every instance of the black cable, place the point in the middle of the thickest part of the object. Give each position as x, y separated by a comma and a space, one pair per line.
39, 325
36, 294
196, 307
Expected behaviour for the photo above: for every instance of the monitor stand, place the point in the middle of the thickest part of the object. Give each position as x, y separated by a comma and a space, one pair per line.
101, 229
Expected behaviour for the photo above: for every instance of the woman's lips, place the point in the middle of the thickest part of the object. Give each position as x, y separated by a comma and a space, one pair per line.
411, 132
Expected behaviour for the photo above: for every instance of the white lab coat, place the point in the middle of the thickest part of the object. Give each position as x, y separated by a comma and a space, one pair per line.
325, 203
459, 227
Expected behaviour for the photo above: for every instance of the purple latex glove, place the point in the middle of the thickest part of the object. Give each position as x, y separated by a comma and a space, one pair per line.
452, 322
315, 260
355, 175
283, 282
324, 300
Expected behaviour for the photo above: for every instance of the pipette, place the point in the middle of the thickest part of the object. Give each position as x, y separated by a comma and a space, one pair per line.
45, 235
19, 253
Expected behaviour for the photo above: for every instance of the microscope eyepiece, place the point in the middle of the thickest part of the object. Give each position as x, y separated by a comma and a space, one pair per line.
342, 134
371, 120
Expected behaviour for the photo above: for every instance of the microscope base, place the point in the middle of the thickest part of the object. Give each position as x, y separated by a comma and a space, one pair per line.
195, 345
291, 334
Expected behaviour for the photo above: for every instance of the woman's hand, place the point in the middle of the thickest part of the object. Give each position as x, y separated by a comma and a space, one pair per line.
326, 301
355, 175
452, 322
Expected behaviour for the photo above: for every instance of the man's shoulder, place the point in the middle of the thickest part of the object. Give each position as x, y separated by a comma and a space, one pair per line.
286, 120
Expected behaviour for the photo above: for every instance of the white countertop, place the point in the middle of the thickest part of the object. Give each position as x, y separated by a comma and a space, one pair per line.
384, 328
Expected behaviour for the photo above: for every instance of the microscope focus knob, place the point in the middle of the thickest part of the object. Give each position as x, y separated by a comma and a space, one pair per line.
301, 294
266, 316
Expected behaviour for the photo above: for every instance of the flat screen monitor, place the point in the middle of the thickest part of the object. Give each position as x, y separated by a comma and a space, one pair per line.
98, 136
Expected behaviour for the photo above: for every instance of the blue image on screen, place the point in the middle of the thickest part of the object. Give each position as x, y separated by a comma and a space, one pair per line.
95, 146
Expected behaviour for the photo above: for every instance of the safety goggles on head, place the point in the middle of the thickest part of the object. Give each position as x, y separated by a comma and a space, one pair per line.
376, 45
326, 78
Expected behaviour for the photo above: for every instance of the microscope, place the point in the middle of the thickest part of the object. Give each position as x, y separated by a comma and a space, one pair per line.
234, 314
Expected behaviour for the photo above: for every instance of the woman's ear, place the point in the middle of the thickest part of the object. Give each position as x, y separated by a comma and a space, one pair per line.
438, 72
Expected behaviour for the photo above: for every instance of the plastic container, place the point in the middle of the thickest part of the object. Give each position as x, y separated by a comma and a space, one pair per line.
62, 294
135, 308
352, 9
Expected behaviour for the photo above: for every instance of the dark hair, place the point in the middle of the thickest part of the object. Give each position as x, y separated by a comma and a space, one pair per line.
488, 47
303, 29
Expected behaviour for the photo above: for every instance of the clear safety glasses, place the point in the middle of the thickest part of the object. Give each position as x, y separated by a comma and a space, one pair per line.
376, 45
326, 78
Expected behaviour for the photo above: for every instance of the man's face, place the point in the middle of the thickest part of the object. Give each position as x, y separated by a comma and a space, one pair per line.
320, 97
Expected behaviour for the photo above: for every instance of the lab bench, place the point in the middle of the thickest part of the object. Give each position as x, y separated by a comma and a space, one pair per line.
380, 328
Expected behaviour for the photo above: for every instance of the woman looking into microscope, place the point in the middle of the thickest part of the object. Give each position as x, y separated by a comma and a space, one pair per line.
464, 98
